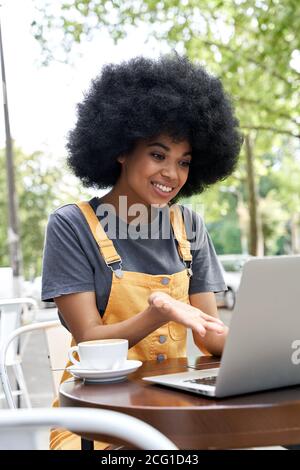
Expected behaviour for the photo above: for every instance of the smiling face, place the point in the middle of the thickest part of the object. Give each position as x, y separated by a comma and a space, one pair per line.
155, 171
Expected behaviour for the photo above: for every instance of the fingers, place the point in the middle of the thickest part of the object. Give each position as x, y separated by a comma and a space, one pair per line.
210, 318
157, 295
214, 326
186, 314
160, 303
202, 326
199, 328
150, 299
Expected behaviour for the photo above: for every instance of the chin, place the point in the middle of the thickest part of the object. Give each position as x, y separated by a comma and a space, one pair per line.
159, 203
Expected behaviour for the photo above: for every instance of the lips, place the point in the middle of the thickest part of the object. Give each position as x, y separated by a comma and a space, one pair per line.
162, 184
160, 192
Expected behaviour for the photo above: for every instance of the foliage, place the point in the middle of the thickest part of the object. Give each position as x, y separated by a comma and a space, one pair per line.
252, 46
255, 48
40, 189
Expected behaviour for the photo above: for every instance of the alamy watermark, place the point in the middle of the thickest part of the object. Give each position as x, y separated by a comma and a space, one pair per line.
295, 358
150, 222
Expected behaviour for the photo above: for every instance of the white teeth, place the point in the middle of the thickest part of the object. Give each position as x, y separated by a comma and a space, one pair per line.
166, 189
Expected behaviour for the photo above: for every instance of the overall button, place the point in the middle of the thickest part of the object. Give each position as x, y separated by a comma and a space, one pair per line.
165, 281
162, 339
160, 357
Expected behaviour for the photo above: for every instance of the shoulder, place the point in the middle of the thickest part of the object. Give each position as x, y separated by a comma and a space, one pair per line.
190, 214
68, 217
66, 211
193, 220
71, 212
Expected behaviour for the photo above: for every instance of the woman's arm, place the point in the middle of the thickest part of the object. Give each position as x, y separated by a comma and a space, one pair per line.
212, 342
81, 315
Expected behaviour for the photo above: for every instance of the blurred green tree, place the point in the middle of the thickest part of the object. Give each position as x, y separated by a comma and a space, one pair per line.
253, 46
41, 189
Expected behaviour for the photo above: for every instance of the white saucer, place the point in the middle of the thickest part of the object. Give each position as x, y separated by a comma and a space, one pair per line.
98, 376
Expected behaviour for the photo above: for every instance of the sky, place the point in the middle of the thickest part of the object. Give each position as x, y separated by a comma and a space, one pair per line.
42, 100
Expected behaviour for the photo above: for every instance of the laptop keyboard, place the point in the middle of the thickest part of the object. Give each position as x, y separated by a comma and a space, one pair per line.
204, 380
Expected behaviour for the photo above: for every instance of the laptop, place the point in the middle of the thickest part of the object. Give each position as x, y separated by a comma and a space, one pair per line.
262, 350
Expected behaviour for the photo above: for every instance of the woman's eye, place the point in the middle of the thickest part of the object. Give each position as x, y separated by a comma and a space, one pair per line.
157, 156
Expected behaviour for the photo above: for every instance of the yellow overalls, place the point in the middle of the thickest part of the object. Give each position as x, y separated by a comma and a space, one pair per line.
128, 296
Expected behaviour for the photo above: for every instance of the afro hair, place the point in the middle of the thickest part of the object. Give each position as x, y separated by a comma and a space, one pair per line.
142, 98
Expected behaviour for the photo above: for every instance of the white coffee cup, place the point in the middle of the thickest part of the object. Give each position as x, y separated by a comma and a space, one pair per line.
102, 354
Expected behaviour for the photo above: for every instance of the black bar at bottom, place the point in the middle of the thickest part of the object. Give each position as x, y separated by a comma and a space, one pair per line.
87, 444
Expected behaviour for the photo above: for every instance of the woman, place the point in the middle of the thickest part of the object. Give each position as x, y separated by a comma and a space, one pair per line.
152, 131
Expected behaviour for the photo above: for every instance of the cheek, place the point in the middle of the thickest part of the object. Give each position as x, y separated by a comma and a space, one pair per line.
184, 177
146, 168
138, 173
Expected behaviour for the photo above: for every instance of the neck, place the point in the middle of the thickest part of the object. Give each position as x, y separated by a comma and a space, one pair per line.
122, 201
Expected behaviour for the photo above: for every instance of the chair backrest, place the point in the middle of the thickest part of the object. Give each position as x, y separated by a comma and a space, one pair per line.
4, 349
58, 342
6, 282
25, 429
10, 320
11, 311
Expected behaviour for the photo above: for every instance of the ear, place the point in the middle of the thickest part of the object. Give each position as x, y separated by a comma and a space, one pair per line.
121, 158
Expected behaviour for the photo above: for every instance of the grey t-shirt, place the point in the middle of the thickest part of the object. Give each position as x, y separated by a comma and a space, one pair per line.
73, 263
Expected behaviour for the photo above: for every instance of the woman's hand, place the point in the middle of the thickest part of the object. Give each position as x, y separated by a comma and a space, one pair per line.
170, 309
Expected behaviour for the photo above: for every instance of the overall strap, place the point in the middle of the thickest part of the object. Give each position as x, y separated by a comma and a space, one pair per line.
106, 246
177, 221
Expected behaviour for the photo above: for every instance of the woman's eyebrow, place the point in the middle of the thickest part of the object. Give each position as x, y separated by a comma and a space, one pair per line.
159, 144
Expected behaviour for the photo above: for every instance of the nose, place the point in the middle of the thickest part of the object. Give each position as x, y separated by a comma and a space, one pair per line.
169, 171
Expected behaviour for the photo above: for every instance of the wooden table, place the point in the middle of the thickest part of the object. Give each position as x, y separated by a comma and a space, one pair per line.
192, 421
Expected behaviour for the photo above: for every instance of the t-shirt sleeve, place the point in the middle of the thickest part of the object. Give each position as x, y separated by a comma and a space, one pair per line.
207, 272
66, 268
